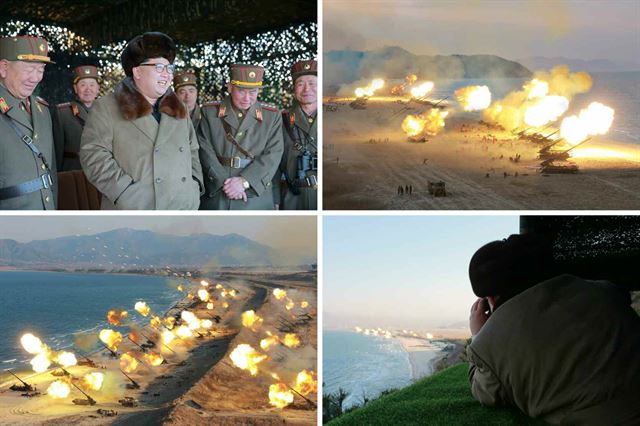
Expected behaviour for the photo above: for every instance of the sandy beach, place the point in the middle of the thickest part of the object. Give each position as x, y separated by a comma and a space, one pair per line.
422, 356
183, 389
367, 157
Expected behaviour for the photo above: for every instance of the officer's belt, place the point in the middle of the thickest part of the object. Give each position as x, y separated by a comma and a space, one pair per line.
43, 182
69, 154
235, 162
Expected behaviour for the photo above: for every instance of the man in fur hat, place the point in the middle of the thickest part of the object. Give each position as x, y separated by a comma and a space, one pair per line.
27, 157
69, 117
139, 147
556, 346
240, 145
299, 165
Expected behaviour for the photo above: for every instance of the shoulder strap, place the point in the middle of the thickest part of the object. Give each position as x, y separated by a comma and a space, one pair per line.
232, 139
27, 141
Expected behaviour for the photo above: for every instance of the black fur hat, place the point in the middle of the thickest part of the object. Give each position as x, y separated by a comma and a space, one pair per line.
145, 46
510, 266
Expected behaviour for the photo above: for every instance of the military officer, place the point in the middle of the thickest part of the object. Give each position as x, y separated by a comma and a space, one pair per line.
69, 117
240, 145
27, 156
299, 164
184, 83
139, 148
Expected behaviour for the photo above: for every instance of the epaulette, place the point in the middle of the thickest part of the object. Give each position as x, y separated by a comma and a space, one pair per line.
269, 107
212, 103
64, 105
42, 101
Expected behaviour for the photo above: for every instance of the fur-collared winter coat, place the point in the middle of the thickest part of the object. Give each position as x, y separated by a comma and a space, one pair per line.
136, 162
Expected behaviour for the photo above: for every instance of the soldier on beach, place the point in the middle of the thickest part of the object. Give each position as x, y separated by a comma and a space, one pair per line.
27, 154
240, 145
69, 117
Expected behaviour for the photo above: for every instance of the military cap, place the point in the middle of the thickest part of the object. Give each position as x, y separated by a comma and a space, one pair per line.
300, 68
146, 46
510, 266
25, 48
247, 76
184, 78
85, 71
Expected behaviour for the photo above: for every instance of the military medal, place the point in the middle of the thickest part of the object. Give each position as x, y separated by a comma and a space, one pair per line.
3, 105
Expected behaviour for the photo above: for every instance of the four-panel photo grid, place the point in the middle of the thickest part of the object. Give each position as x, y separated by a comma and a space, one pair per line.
341, 212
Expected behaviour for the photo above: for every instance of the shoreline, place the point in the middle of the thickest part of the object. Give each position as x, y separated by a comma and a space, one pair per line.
421, 359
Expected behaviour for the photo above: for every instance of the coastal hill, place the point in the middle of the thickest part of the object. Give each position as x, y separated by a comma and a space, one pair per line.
129, 248
347, 66
442, 399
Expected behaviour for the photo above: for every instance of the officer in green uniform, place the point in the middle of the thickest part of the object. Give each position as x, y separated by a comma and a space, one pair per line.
69, 117
27, 157
240, 145
299, 164
184, 84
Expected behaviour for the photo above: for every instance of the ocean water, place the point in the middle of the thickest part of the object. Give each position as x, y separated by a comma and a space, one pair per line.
619, 90
362, 365
54, 306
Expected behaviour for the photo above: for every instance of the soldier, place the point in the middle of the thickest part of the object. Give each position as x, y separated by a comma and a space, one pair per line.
184, 83
240, 145
300, 159
139, 148
27, 156
69, 117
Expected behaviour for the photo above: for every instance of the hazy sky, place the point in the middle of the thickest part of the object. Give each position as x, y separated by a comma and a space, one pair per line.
277, 232
403, 271
578, 29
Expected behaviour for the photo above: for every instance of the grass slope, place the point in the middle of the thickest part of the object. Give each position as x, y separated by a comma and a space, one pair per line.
442, 399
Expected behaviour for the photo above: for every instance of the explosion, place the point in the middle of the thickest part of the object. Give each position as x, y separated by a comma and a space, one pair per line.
66, 359
40, 363
203, 294
251, 320
116, 317
279, 395
142, 308
304, 304
32, 344
369, 90
279, 293
473, 98
546, 110
536, 89
268, 342
153, 358
209, 306
247, 358
93, 381
596, 119
411, 78
306, 382
155, 321
169, 322
204, 283
291, 340
431, 124
167, 337
290, 304
58, 390
128, 363
110, 338
183, 332
413, 125
422, 90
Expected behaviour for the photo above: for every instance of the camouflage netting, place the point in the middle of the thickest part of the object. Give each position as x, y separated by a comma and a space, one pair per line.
276, 50
596, 247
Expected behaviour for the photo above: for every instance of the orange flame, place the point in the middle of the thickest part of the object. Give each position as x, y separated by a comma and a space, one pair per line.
269, 342
279, 293
142, 308
110, 338
128, 363
291, 340
58, 390
247, 358
306, 382
251, 320
473, 98
93, 381
153, 358
596, 119
279, 395
116, 317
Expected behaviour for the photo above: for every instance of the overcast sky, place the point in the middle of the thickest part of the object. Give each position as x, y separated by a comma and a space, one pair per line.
277, 232
578, 29
403, 271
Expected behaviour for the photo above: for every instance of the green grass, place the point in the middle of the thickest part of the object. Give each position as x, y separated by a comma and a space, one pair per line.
442, 399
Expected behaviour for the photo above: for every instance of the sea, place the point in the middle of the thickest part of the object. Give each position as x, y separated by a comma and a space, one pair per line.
55, 306
618, 90
362, 365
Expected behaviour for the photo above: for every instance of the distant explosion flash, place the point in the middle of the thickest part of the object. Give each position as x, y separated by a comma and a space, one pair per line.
279, 395
596, 119
430, 124
473, 98
369, 90
247, 358
422, 90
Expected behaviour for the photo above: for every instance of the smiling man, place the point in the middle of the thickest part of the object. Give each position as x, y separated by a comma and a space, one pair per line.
300, 159
27, 158
185, 85
69, 117
139, 148
240, 145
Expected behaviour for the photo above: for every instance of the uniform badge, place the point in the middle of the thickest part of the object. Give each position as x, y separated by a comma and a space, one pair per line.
252, 74
185, 78
292, 119
41, 47
87, 71
74, 109
3, 106
259, 114
307, 66
222, 111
